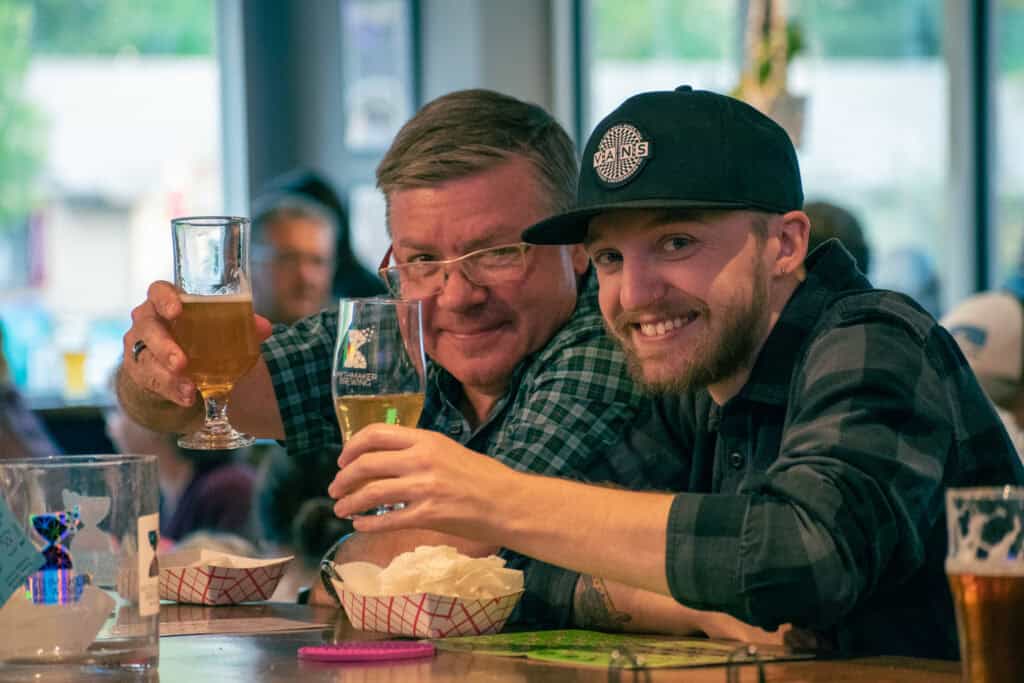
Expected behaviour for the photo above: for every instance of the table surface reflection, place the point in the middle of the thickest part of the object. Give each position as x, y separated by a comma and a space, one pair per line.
272, 657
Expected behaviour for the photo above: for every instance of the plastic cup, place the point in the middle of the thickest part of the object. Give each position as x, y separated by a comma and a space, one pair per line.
93, 602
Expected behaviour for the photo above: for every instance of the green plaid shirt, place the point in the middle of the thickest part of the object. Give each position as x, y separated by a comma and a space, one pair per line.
566, 403
815, 496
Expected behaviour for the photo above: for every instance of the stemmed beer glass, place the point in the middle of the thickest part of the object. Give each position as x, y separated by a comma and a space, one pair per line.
378, 371
215, 328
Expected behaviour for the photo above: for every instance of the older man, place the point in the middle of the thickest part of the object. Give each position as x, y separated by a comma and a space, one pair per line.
816, 421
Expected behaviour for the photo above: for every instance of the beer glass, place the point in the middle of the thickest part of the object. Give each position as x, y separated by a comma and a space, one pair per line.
378, 371
81, 534
985, 566
215, 328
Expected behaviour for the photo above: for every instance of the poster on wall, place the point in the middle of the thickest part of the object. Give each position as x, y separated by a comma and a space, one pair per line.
377, 68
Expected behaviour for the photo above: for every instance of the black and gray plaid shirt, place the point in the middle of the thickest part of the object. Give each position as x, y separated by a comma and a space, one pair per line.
815, 496
567, 403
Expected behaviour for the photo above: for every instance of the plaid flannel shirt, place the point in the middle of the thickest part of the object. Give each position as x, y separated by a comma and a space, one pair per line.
815, 496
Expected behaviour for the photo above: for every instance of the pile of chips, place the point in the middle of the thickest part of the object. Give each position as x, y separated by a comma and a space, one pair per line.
439, 570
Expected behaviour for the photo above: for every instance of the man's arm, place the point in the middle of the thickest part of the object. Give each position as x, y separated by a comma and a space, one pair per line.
605, 605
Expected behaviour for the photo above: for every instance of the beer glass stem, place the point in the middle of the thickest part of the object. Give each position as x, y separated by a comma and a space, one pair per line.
216, 414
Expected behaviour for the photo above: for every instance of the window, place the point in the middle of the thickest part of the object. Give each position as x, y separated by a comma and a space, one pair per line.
869, 80
1009, 95
120, 110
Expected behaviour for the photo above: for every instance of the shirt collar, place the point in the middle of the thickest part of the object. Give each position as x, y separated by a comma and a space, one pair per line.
578, 323
830, 270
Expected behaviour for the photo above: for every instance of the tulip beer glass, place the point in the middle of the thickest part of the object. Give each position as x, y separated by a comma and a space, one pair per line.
378, 373
985, 566
215, 328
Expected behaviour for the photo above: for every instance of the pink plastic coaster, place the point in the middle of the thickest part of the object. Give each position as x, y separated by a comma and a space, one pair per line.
367, 651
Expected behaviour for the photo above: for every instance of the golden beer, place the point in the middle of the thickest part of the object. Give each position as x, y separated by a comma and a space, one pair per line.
355, 412
75, 385
989, 601
216, 333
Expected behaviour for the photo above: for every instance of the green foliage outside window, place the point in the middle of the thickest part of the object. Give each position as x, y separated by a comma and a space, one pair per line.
111, 27
21, 126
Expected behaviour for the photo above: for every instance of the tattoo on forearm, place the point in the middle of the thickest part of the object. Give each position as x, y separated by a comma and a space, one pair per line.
593, 607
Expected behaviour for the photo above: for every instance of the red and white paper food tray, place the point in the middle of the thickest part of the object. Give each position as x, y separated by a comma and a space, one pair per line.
426, 615
205, 577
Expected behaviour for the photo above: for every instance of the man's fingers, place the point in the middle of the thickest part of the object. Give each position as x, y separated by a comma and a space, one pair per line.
165, 299
378, 437
370, 496
263, 327
157, 366
378, 465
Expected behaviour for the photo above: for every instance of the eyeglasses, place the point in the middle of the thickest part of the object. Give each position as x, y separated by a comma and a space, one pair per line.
483, 267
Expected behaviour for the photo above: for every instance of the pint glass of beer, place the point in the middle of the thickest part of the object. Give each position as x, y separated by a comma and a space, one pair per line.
215, 328
985, 566
378, 372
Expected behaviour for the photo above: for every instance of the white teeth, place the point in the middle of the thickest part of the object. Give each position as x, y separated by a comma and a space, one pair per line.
662, 326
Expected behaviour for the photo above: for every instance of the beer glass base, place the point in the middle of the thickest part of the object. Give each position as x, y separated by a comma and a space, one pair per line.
215, 441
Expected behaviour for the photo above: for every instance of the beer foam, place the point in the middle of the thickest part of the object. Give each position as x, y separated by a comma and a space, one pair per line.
987, 567
215, 298
976, 554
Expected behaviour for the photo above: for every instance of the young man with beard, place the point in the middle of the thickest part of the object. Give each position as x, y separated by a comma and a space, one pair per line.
814, 421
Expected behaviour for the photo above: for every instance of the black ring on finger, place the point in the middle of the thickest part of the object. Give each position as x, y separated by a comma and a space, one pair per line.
137, 348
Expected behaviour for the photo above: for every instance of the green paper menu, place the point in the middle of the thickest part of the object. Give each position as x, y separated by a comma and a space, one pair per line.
591, 648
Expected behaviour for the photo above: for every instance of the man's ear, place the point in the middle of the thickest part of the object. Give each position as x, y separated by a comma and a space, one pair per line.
580, 260
793, 231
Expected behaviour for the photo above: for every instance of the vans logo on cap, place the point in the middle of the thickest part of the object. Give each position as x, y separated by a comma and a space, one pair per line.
620, 154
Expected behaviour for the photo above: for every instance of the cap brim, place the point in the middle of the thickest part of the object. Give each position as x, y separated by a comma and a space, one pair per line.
571, 227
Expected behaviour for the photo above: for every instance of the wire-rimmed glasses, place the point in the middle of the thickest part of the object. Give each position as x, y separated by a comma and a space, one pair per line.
482, 267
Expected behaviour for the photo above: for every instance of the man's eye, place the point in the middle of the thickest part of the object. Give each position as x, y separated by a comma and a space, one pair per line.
606, 258
676, 243
421, 258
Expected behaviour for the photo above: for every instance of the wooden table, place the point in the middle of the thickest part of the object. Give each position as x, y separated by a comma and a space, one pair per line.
272, 657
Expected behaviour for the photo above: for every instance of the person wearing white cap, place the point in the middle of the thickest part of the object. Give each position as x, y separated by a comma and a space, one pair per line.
989, 327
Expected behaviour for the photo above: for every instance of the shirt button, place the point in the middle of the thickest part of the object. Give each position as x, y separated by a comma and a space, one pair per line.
454, 429
736, 460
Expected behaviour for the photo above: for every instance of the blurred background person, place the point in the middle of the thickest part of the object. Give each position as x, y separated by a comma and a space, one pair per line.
199, 490
831, 220
302, 253
22, 434
989, 327
910, 270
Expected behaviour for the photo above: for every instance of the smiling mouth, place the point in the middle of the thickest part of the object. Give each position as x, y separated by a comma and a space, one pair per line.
660, 328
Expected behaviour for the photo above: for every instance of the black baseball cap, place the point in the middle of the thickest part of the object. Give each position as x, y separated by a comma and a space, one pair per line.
680, 148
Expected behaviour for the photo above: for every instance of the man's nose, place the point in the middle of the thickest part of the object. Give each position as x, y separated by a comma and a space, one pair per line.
457, 291
640, 285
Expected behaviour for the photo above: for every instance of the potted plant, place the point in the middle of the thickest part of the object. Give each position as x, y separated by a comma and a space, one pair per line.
771, 44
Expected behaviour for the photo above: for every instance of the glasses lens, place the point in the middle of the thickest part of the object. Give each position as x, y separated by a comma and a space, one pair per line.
500, 264
415, 280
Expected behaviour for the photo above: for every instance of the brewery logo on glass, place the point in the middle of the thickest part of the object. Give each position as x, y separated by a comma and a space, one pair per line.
620, 154
354, 359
